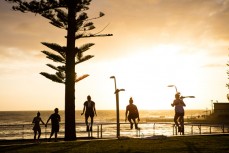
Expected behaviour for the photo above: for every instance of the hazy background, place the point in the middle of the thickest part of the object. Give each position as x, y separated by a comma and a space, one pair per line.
155, 43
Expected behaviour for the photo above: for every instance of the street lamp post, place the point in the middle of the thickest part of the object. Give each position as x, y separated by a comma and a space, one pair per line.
173, 86
179, 92
117, 105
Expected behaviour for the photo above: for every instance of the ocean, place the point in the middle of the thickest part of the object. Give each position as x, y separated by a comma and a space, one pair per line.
18, 124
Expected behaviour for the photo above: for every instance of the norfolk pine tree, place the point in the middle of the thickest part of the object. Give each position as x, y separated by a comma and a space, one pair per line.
71, 16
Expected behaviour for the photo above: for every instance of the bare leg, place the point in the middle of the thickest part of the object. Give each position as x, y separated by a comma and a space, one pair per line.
55, 136
131, 124
136, 125
181, 120
92, 121
175, 120
51, 134
86, 122
39, 134
35, 135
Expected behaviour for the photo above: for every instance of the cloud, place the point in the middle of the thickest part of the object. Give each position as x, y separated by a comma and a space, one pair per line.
133, 23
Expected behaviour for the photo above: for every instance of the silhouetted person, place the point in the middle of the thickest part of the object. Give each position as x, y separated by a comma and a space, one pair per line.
90, 111
36, 127
55, 120
179, 111
132, 114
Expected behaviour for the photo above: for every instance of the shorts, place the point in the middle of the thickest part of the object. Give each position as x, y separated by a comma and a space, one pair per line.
55, 128
37, 129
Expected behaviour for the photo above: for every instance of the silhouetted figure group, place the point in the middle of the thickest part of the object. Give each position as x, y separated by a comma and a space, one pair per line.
55, 120
131, 114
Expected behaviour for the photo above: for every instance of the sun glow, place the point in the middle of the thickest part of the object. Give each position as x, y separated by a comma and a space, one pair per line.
146, 75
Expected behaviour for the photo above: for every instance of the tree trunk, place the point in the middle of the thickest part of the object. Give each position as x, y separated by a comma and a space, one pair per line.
70, 128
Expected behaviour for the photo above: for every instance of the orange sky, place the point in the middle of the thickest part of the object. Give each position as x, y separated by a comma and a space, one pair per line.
155, 43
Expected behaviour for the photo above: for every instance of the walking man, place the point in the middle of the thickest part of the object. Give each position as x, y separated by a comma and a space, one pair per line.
55, 120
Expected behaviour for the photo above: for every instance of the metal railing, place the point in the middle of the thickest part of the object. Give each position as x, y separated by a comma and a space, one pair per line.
108, 130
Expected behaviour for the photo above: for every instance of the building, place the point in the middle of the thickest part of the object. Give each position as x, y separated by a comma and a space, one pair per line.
220, 111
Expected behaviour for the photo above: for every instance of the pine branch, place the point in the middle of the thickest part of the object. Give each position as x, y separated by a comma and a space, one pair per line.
61, 75
59, 49
52, 77
81, 77
92, 35
102, 29
83, 59
59, 68
54, 57
37, 6
85, 47
101, 14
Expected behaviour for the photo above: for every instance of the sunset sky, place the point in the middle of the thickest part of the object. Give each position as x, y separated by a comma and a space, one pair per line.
155, 43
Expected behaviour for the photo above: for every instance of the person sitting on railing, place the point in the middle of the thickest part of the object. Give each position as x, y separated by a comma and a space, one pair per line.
132, 114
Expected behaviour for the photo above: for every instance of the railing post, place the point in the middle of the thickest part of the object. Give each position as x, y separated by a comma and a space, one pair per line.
223, 128
154, 128
97, 131
45, 132
174, 129
101, 130
199, 129
23, 132
89, 133
138, 131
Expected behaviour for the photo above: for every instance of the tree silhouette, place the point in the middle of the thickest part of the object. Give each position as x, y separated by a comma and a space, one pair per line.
69, 15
